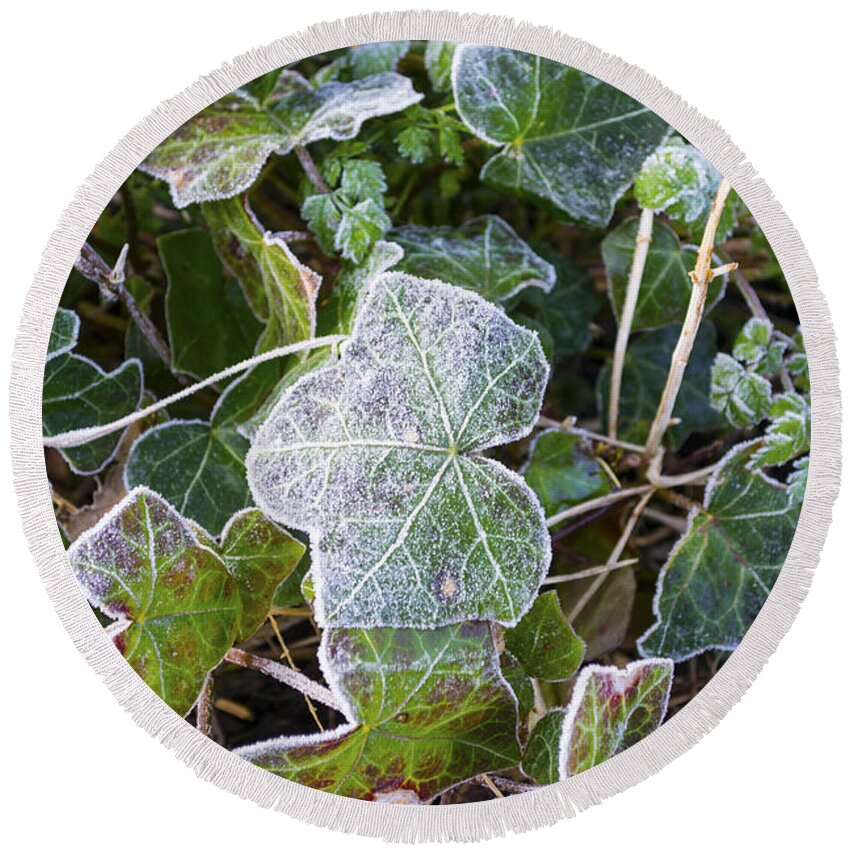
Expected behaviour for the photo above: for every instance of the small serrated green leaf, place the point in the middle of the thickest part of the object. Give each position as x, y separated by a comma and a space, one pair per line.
426, 709
363, 180
359, 228
750, 346
323, 217
175, 604
414, 144
718, 577
484, 255
789, 433
544, 642
541, 757
742, 396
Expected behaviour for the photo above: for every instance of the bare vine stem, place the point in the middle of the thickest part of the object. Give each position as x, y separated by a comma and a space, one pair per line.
204, 710
680, 480
85, 435
293, 666
624, 329
701, 276
311, 169
590, 572
286, 675
567, 428
600, 502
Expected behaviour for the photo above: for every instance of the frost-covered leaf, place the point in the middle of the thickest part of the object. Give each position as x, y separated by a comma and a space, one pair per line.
520, 684
541, 756
378, 458
665, 287
363, 61
259, 555
64, 333
718, 576
569, 141
210, 325
219, 152
544, 642
789, 433
438, 62
414, 144
751, 343
359, 228
562, 471
610, 710
645, 371
797, 363
77, 393
567, 311
280, 289
797, 480
175, 604
484, 255
741, 395
426, 709
323, 217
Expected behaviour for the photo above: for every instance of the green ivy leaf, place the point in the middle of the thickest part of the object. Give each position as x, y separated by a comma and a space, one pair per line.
665, 288
645, 371
612, 709
540, 761
742, 396
77, 393
520, 684
219, 152
280, 289
567, 311
438, 62
175, 604
544, 642
210, 325
64, 333
563, 471
364, 61
425, 710
568, 140
378, 458
789, 433
718, 576
484, 255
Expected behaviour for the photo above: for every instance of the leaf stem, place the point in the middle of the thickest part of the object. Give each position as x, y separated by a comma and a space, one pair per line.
567, 428
590, 572
601, 501
624, 329
286, 675
680, 480
85, 435
700, 276
204, 710
311, 169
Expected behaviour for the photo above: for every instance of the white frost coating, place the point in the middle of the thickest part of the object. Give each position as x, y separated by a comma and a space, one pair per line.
377, 458
619, 679
55, 347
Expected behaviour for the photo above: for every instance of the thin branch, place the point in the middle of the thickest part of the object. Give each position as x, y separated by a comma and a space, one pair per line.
291, 662
488, 782
700, 277
590, 572
311, 169
614, 557
85, 435
145, 325
568, 428
624, 329
204, 710
287, 676
680, 480
674, 523
745, 288
602, 501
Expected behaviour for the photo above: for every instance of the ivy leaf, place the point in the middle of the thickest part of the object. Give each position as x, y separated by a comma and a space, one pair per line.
540, 761
426, 709
77, 393
611, 709
718, 576
544, 642
281, 290
742, 396
63, 333
219, 152
562, 471
363, 61
484, 255
644, 375
175, 604
569, 141
210, 325
567, 311
519, 683
378, 457
260, 556
438, 62
665, 287
797, 481
789, 433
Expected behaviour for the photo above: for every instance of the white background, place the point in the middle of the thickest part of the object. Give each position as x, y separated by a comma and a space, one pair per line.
76, 77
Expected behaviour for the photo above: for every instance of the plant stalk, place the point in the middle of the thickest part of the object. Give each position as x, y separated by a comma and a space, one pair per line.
311, 169
602, 501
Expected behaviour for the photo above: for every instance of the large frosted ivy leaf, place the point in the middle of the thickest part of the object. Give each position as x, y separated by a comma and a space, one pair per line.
611, 709
568, 140
259, 555
219, 152
210, 325
644, 375
540, 761
280, 289
77, 393
484, 255
426, 709
175, 604
377, 457
562, 471
719, 574
665, 288
64, 333
544, 643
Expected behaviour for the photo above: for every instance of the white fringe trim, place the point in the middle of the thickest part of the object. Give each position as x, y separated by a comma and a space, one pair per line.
472, 821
